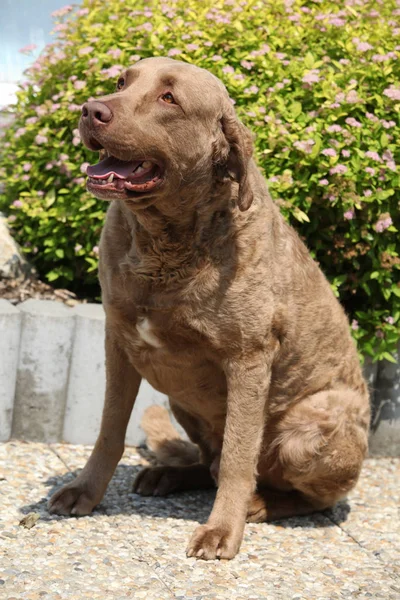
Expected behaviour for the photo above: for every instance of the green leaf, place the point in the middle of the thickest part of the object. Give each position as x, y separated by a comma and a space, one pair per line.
52, 276
389, 357
384, 140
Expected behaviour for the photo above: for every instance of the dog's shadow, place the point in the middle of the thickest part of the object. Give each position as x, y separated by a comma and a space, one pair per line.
194, 506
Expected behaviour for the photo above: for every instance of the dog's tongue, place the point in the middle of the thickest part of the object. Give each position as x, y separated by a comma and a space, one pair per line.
109, 165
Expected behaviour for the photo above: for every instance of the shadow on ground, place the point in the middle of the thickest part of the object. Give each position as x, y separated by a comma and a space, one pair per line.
193, 506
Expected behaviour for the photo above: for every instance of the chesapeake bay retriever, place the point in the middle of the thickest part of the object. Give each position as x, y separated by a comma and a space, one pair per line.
211, 296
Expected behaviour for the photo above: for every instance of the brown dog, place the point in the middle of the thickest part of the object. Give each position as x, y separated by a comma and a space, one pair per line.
212, 298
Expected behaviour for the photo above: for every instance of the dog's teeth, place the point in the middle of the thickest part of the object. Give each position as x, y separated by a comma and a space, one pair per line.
111, 178
146, 164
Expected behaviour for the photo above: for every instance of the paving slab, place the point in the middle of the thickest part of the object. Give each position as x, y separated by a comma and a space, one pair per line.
134, 547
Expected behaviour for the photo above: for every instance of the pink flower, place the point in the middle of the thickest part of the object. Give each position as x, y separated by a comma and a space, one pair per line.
334, 128
192, 47
379, 334
354, 324
41, 111
311, 77
373, 156
82, 12
305, 146
79, 85
370, 170
387, 155
41, 139
388, 124
353, 122
61, 27
389, 320
251, 90
323, 182
73, 107
383, 223
228, 69
27, 49
328, 152
27, 167
391, 165
49, 166
60, 56
349, 214
247, 64
112, 71
367, 193
79, 180
96, 250
338, 170
352, 97
93, 61
216, 57
115, 52
84, 167
136, 57
76, 141
346, 153
85, 50
174, 52
20, 132
17, 203
62, 11
78, 247
392, 93
364, 46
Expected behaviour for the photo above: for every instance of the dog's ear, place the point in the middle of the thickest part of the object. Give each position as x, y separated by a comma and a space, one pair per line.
232, 152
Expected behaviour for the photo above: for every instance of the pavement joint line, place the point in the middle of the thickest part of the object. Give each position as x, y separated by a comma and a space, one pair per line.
376, 556
153, 569
59, 457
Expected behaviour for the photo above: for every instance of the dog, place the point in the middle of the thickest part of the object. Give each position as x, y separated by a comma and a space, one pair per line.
212, 297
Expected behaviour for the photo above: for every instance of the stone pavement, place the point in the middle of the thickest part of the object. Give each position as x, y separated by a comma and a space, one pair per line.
134, 547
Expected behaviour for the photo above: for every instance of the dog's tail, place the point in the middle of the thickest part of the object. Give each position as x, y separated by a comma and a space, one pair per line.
164, 440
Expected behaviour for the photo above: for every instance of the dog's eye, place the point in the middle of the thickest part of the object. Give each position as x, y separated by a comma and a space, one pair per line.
120, 83
168, 98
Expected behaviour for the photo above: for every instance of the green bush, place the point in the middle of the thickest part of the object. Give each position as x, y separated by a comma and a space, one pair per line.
317, 82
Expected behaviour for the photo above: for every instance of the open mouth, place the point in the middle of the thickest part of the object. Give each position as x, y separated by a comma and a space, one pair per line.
126, 178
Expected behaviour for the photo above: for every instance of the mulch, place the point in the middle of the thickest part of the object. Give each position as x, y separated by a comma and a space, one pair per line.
19, 290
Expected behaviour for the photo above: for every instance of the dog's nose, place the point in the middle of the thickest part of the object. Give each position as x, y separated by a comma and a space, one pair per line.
96, 113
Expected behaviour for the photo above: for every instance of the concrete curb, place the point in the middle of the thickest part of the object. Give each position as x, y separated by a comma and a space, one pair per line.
52, 379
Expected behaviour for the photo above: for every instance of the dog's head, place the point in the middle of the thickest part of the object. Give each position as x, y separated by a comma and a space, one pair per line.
169, 126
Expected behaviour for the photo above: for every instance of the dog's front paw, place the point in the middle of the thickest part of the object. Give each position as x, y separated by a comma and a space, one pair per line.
210, 542
75, 498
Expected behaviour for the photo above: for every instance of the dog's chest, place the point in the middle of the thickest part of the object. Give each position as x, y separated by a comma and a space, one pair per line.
147, 333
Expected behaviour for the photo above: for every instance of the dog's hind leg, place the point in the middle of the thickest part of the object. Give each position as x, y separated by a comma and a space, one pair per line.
183, 465
272, 505
320, 444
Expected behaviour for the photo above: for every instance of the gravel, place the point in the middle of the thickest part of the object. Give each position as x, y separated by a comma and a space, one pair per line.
133, 547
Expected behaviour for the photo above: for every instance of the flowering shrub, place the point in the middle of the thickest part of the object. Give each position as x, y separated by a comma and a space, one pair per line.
317, 82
